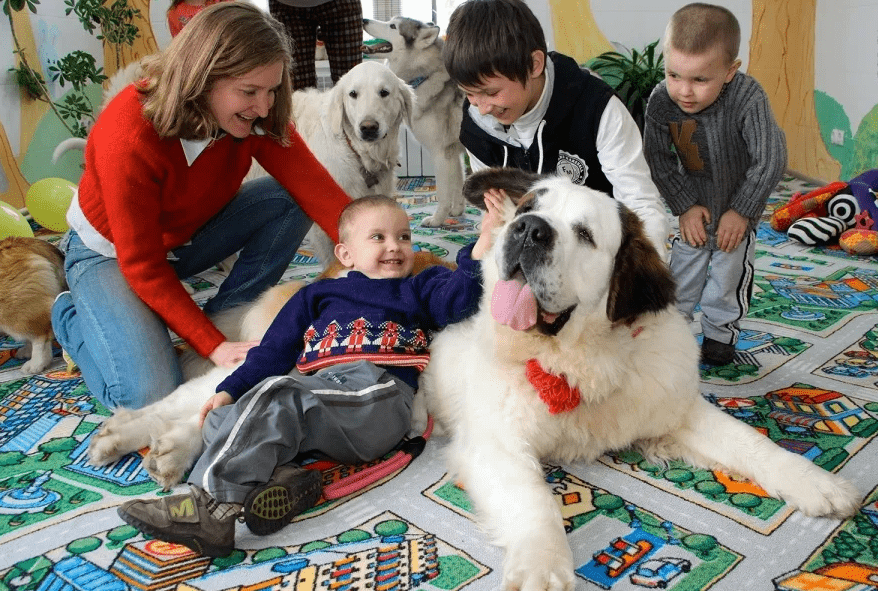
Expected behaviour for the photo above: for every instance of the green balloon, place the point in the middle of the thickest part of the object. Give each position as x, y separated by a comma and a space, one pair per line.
47, 201
12, 223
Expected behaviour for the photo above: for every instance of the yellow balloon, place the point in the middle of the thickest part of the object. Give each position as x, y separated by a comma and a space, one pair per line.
12, 223
47, 201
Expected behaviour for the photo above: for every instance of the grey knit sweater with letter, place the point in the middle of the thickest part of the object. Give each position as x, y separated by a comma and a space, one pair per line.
731, 155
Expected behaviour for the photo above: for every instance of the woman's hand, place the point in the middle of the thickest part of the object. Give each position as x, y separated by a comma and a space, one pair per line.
217, 400
228, 353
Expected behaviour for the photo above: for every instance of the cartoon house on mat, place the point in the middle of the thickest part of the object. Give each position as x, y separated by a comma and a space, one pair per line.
819, 411
841, 294
30, 412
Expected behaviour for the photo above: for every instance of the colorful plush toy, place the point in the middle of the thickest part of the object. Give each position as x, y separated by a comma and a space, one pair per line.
862, 239
839, 211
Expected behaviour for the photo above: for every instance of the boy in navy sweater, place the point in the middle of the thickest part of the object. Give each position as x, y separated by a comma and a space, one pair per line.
358, 343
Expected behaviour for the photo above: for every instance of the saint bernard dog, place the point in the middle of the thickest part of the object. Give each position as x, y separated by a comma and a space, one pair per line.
578, 350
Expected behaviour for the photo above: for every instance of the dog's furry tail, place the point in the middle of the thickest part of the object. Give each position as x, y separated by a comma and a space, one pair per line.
68, 144
514, 181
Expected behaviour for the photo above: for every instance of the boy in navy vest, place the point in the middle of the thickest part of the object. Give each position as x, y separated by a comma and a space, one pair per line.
537, 110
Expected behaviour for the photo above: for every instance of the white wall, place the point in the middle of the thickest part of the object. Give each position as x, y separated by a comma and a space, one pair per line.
847, 54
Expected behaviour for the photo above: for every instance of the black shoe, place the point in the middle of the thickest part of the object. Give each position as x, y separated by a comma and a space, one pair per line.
194, 519
716, 353
270, 507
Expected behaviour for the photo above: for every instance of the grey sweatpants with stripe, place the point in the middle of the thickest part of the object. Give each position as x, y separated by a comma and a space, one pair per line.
352, 412
722, 282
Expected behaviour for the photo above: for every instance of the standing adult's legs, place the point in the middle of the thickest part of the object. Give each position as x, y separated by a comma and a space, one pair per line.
341, 28
302, 29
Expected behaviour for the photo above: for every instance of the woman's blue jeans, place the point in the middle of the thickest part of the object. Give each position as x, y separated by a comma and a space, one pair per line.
122, 347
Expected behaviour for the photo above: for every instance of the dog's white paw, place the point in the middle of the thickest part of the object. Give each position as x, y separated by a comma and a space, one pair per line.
434, 221
34, 366
166, 462
539, 567
819, 493
107, 445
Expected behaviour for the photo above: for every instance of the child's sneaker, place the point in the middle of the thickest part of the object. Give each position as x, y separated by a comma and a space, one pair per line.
195, 520
716, 353
290, 491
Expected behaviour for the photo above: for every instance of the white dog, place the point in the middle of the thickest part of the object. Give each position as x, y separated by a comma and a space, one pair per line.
577, 350
414, 52
353, 129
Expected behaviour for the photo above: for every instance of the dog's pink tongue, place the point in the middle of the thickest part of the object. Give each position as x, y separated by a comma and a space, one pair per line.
514, 305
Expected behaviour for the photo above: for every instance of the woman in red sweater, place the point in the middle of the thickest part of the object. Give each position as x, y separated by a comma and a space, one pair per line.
161, 199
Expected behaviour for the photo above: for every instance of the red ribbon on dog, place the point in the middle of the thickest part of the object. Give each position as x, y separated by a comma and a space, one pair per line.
553, 390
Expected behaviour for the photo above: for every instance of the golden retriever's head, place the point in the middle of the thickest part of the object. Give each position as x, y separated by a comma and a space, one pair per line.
568, 251
369, 102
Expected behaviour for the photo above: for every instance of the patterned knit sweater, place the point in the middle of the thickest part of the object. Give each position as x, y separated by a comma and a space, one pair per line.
140, 193
385, 321
731, 155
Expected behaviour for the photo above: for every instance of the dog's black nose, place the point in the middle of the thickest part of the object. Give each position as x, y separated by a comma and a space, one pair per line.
528, 244
531, 230
369, 130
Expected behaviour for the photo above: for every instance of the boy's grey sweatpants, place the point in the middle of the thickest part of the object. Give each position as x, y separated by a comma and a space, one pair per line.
352, 412
722, 282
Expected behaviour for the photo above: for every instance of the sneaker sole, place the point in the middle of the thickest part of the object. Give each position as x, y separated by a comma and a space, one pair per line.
270, 507
194, 543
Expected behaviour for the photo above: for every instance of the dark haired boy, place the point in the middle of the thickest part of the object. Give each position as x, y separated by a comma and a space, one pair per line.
537, 110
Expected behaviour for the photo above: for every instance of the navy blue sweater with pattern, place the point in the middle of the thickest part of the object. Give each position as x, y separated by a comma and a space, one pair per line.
385, 321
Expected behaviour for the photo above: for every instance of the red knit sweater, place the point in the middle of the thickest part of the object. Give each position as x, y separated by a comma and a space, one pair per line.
139, 192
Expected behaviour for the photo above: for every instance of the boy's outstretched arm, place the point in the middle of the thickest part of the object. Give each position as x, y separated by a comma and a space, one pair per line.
495, 200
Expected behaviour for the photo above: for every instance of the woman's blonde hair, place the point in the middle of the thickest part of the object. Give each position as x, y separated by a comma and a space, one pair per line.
229, 39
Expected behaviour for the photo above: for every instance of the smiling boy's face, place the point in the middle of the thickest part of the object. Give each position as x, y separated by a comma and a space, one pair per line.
507, 100
378, 244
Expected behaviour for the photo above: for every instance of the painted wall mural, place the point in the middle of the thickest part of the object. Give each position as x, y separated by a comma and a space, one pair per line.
825, 142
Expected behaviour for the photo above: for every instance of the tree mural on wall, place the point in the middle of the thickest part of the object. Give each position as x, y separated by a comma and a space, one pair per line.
782, 59
119, 56
576, 32
116, 57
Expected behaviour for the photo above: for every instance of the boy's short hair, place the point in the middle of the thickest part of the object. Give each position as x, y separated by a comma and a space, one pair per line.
349, 214
228, 39
698, 27
489, 37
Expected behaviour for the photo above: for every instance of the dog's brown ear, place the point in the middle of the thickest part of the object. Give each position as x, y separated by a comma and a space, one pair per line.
641, 281
514, 181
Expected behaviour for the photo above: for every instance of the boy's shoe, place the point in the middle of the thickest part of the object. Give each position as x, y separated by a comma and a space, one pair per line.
716, 353
290, 491
195, 520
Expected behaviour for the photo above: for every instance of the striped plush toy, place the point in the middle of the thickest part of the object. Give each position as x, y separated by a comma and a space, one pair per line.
839, 211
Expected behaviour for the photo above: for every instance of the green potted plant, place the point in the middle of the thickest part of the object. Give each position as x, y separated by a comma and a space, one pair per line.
114, 21
633, 74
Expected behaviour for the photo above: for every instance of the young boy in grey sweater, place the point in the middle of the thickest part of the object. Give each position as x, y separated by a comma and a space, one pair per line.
716, 153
